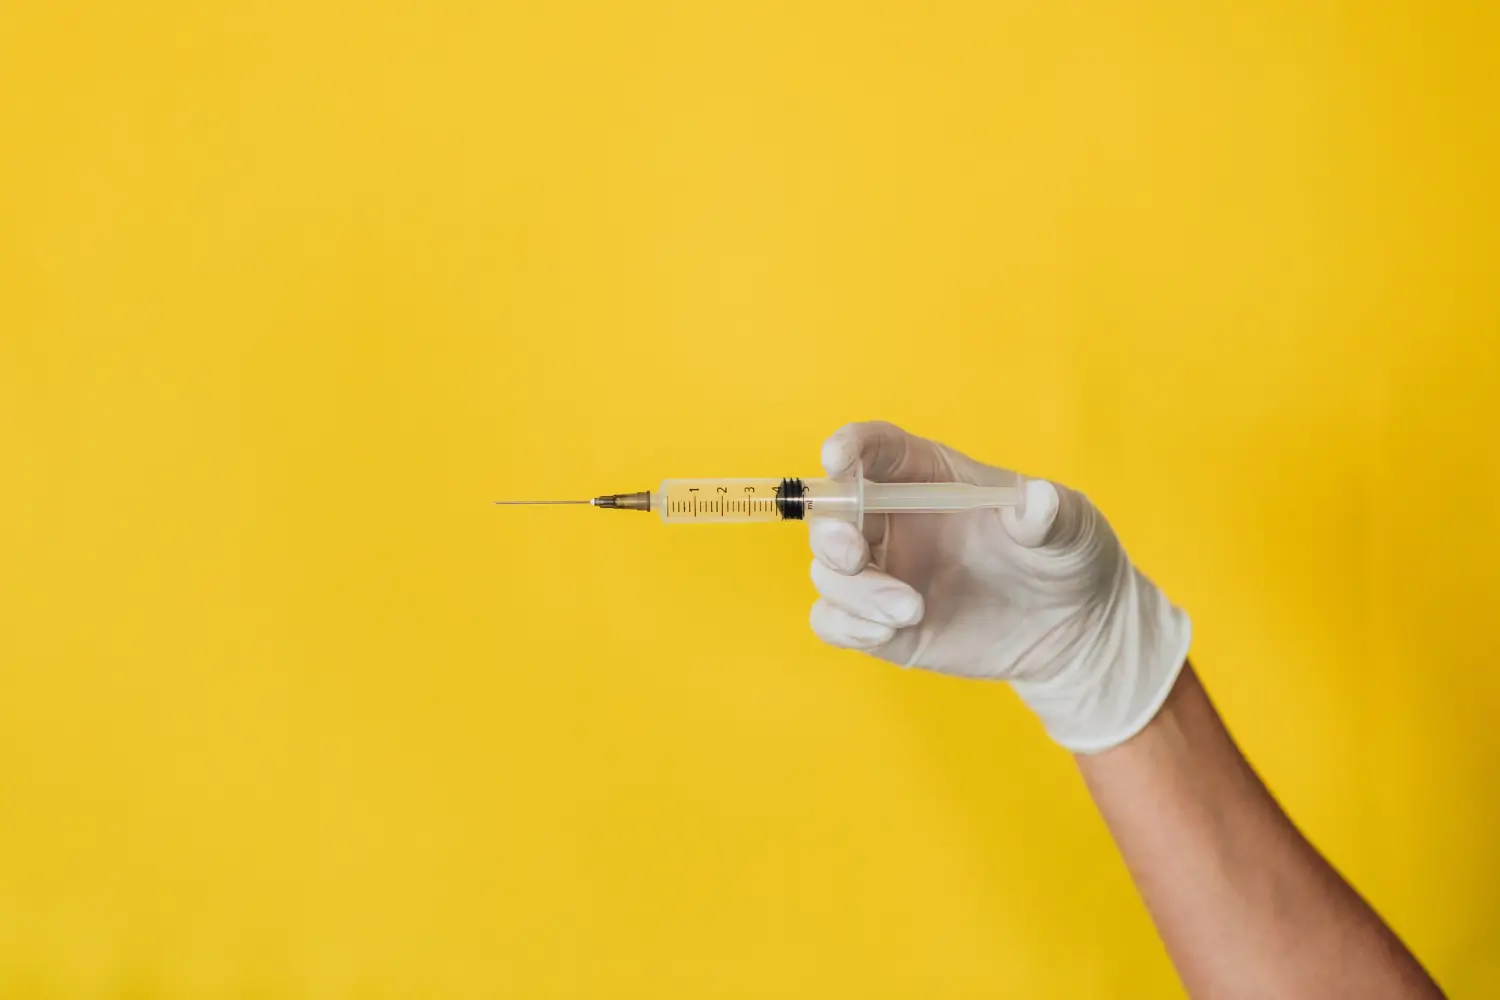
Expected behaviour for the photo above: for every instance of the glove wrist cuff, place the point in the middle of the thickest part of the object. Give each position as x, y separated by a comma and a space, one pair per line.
1116, 683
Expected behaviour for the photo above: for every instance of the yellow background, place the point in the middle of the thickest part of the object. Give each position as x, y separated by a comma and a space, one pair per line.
290, 291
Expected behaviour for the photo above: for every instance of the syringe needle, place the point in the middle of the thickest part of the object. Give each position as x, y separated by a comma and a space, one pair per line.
514, 503
611, 501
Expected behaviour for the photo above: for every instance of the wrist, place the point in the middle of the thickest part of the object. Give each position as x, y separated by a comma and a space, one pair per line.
1118, 677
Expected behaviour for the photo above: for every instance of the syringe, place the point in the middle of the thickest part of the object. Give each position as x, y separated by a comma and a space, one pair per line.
751, 500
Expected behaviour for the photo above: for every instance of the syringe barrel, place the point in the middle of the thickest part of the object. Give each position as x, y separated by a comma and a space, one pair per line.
728, 501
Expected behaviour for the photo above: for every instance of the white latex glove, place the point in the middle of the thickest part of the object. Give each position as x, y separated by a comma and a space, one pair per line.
1047, 601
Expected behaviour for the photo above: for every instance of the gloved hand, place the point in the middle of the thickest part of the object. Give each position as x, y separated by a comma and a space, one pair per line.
1046, 600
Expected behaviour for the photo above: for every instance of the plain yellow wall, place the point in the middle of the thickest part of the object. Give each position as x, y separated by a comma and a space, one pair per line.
290, 291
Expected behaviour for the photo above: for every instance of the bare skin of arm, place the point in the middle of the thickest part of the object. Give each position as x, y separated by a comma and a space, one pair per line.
1248, 909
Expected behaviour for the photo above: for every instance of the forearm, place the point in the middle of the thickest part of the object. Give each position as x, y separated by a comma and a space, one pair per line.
1247, 908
